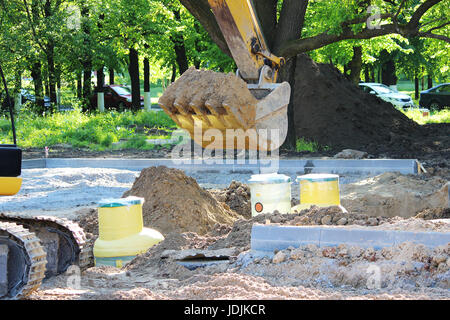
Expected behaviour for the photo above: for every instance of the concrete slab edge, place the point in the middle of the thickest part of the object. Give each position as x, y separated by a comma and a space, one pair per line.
290, 167
266, 239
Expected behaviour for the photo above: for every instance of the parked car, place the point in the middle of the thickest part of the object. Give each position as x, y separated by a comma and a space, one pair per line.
27, 96
116, 96
399, 100
436, 98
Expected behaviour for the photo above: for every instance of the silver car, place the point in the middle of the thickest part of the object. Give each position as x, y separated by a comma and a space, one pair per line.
399, 100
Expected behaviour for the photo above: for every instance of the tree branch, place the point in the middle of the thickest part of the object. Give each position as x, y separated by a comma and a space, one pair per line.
418, 14
33, 30
290, 24
433, 36
295, 47
438, 27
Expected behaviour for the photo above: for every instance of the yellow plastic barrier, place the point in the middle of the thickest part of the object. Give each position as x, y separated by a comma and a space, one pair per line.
122, 235
321, 190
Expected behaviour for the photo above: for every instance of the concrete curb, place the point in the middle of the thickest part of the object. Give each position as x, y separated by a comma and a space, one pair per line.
288, 167
266, 239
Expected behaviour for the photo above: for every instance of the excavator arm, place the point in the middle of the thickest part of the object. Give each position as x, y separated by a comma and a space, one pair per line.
242, 31
263, 123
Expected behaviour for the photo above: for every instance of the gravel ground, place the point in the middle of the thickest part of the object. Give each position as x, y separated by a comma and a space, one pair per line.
62, 189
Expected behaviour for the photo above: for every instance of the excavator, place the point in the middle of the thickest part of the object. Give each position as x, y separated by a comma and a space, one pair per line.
259, 68
33, 248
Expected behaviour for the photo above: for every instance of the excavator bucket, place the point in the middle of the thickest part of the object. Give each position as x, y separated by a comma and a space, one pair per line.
221, 111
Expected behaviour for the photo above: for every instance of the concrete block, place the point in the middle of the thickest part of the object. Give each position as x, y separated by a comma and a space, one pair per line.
3, 270
428, 239
376, 239
271, 238
265, 239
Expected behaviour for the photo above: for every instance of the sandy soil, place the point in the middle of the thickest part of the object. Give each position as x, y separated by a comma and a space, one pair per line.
407, 271
391, 195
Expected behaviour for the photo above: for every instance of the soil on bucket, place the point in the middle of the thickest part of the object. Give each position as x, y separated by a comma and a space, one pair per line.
197, 87
175, 202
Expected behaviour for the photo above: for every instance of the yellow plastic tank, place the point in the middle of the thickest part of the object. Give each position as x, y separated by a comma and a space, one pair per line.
122, 235
270, 193
321, 190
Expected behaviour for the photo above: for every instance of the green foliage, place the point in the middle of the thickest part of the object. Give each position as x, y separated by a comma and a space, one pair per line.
435, 117
304, 145
94, 131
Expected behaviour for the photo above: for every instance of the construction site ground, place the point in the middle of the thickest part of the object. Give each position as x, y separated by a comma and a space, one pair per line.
212, 218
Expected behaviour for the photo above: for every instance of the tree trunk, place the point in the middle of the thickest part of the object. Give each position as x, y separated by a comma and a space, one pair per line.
146, 75
388, 71
51, 72
86, 61
416, 86
174, 73
79, 85
179, 47
36, 74
100, 79
133, 69
430, 81
287, 73
356, 65
111, 76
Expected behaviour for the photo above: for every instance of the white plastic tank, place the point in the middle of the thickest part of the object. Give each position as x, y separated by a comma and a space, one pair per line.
270, 193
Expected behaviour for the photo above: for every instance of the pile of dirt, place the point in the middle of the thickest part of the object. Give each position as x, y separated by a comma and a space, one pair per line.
391, 194
334, 112
217, 90
436, 213
175, 202
88, 221
237, 196
404, 266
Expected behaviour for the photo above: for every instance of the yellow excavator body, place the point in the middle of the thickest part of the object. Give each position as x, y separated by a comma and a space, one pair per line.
261, 125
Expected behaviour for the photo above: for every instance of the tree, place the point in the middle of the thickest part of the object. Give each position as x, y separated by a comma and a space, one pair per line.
293, 27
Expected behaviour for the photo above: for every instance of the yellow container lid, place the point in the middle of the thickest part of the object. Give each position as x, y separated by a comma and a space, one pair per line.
10, 186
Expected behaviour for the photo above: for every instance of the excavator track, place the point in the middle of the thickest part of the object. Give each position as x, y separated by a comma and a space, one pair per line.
26, 261
63, 240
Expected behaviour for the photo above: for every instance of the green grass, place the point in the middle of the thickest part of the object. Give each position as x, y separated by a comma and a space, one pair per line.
94, 131
435, 117
303, 145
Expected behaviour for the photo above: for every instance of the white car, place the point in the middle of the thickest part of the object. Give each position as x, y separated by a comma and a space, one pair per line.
399, 100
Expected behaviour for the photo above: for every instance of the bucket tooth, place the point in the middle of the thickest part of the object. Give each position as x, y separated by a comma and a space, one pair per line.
240, 122
202, 112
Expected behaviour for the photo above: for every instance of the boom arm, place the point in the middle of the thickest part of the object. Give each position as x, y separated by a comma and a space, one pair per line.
242, 31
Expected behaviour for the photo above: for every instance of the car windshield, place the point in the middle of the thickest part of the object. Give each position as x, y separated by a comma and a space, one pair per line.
122, 91
382, 89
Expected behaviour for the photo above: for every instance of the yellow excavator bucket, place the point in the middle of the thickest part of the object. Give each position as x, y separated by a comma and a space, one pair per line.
220, 111
246, 110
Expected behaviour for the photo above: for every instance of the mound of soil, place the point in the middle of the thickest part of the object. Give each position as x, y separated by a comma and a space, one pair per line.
175, 202
237, 196
391, 194
436, 213
334, 112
